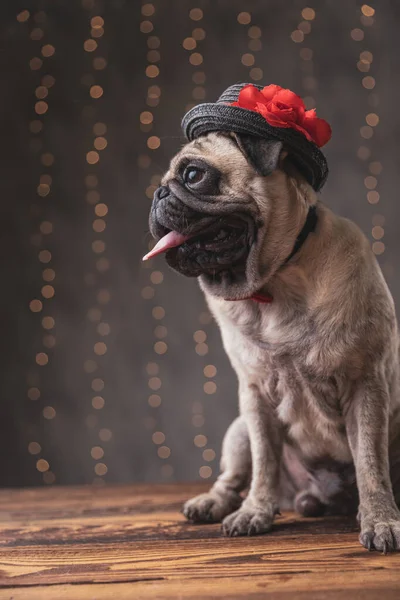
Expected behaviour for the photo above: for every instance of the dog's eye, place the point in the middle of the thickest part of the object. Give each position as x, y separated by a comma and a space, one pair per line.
193, 175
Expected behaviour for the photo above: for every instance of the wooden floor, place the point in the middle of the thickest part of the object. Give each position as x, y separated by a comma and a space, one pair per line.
132, 543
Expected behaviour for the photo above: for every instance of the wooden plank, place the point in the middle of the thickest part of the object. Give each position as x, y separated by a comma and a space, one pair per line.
131, 542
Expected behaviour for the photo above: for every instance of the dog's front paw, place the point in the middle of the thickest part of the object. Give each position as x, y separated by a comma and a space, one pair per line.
211, 507
382, 534
248, 521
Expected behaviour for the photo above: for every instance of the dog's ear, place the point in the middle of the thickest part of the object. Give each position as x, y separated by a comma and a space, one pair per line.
264, 155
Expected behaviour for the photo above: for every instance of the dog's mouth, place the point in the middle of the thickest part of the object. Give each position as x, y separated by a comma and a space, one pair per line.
221, 245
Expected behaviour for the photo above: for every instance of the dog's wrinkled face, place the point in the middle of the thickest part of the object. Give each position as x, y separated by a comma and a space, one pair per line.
214, 209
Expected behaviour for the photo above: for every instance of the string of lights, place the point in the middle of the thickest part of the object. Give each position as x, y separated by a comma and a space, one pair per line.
96, 314
366, 151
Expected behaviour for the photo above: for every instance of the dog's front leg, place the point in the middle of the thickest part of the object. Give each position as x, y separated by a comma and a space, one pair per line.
367, 424
261, 504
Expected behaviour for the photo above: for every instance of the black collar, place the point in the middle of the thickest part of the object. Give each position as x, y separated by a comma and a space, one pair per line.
308, 227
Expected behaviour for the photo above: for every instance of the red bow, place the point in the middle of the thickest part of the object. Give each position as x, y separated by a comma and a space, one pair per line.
283, 108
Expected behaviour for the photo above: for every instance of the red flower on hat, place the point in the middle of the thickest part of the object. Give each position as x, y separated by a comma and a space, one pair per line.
283, 108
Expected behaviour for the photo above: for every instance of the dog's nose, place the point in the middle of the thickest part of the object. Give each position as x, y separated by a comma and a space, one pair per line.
162, 192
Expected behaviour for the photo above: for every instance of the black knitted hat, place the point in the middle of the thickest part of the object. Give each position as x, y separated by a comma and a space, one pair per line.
221, 116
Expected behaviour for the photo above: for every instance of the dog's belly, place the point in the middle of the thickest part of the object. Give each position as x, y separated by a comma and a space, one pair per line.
309, 410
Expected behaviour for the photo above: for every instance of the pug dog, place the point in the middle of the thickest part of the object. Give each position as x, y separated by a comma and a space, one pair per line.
309, 326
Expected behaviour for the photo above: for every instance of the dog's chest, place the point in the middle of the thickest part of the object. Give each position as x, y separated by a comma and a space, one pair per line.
306, 404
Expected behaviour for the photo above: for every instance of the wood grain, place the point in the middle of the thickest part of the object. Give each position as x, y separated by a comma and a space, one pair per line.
131, 542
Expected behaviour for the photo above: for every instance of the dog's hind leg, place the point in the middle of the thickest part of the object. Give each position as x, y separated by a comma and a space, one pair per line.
224, 496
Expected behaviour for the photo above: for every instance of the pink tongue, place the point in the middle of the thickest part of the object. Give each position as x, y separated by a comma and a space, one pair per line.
171, 240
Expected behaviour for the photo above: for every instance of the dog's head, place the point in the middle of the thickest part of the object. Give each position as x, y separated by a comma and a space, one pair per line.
228, 211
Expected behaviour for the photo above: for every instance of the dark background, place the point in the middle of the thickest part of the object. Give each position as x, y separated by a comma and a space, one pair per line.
112, 370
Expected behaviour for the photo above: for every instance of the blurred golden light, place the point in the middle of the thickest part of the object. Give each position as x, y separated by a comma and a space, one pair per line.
97, 33
97, 385
160, 347
99, 225
147, 292
156, 277
48, 50
35, 126
368, 82
297, 36
210, 371
103, 329
197, 420
100, 348
248, 60
370, 182
48, 322
100, 143
198, 34
146, 26
42, 465
210, 387
148, 10
153, 142
189, 43
366, 56
43, 190
378, 220
152, 368
158, 312
205, 472
96, 91
98, 402
308, 14
154, 383
101, 209
49, 412
368, 11
96, 22
90, 45
92, 197
201, 349
357, 34
196, 14
44, 256
49, 477
41, 92
375, 168
41, 107
46, 179
152, 71
35, 63
164, 452
363, 153
23, 16
94, 314
208, 455
97, 452
92, 157
196, 59
244, 18
154, 400
160, 332
378, 232
254, 32
304, 26
255, 45
99, 63
199, 336
256, 74
105, 435
33, 393
158, 437
100, 469
146, 117
49, 341
46, 227
98, 246
372, 119
200, 441
153, 42
306, 53
366, 132
378, 248
363, 66
90, 366
373, 197
153, 56
154, 91
35, 305
34, 448
42, 359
